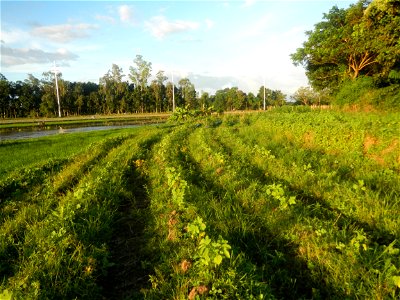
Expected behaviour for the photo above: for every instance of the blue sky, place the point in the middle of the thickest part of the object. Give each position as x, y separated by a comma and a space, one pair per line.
216, 44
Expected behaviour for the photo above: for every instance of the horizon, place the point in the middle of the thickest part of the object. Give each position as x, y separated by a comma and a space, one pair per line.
215, 44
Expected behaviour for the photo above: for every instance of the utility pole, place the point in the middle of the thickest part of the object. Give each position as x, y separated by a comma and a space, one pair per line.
55, 71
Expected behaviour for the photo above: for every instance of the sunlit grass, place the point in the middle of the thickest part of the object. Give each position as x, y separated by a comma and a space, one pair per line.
23, 153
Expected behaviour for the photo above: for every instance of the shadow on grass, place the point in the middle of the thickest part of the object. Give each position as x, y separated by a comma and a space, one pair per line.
326, 211
128, 273
126, 276
276, 259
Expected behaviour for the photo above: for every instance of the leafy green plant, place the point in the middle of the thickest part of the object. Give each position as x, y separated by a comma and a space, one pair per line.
177, 185
276, 192
211, 253
196, 229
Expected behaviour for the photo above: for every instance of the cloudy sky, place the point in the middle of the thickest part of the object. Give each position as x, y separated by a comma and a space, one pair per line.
216, 44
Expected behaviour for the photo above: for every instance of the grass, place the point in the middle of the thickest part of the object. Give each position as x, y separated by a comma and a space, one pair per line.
276, 205
15, 154
6, 124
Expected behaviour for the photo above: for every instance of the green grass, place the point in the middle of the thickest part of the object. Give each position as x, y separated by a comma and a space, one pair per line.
15, 154
276, 205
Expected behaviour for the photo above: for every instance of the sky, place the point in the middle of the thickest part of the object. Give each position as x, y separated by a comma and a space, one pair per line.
214, 43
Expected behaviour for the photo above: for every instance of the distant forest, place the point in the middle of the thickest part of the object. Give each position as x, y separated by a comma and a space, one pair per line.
35, 97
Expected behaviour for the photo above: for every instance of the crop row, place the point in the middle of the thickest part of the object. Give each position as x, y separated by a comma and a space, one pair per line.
303, 218
56, 246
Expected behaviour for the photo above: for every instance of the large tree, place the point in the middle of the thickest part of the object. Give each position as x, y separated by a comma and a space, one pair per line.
158, 90
360, 40
140, 75
113, 90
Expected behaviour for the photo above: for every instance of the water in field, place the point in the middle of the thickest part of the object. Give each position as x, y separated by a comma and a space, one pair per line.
35, 133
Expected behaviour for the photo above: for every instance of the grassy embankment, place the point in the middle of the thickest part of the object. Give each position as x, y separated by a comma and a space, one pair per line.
268, 205
14, 124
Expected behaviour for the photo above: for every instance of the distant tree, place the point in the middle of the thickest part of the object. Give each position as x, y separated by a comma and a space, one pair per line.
305, 96
235, 99
79, 97
188, 93
94, 103
158, 90
91, 98
268, 96
34, 96
220, 100
140, 75
252, 102
49, 105
113, 89
5, 87
168, 92
278, 98
204, 100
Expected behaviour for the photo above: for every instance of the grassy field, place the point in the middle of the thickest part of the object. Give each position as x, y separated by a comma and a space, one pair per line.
275, 205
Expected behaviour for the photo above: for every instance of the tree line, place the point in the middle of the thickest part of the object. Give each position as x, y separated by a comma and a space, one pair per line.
118, 93
354, 54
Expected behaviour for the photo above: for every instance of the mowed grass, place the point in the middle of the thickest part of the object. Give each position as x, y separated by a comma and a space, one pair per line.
272, 205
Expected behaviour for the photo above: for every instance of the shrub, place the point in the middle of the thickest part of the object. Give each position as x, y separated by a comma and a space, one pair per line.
355, 92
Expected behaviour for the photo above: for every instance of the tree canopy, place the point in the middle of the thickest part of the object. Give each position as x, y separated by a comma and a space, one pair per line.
362, 40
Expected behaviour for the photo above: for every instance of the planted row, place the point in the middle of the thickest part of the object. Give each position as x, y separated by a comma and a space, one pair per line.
64, 254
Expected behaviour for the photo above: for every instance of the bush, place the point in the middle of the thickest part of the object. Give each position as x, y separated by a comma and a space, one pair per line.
388, 98
355, 92
364, 93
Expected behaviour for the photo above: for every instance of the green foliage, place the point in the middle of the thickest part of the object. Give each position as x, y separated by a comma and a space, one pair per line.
177, 185
276, 192
209, 253
6, 295
359, 91
349, 43
364, 92
196, 229
183, 114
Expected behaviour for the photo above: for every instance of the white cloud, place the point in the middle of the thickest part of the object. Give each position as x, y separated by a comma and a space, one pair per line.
20, 56
160, 27
106, 19
209, 23
63, 33
125, 13
14, 36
